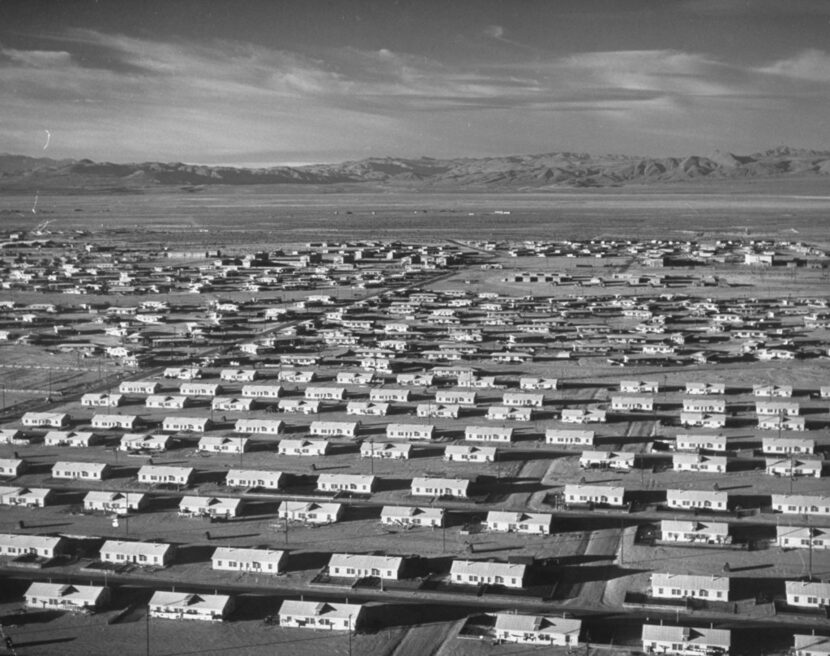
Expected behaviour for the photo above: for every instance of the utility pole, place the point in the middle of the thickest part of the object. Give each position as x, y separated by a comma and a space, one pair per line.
350, 635
148, 630
372, 456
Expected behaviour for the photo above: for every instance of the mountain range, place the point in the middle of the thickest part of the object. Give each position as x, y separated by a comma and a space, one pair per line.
516, 173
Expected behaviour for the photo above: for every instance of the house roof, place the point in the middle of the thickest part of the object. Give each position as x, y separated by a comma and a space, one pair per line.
206, 602
537, 624
295, 608
685, 634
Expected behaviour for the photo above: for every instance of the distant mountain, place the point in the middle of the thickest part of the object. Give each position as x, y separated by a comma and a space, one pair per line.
520, 172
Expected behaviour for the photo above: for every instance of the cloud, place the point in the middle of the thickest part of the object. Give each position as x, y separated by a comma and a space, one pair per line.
810, 64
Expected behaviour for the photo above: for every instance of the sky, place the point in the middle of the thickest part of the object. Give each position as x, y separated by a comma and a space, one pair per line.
270, 82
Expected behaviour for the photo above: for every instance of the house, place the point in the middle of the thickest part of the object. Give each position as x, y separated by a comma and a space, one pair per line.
45, 419
502, 435
168, 401
774, 391
393, 450
200, 389
694, 532
261, 391
808, 594
388, 395
412, 516
367, 408
12, 467
319, 615
683, 586
703, 419
120, 503
190, 606
507, 413
101, 400
564, 437
257, 561
437, 410
639, 386
41, 546
186, 424
198, 506
410, 431
616, 460
802, 537
219, 444
801, 504
777, 408
779, 423
468, 453
137, 442
93, 471
359, 566
537, 629
583, 416
66, 596
632, 403
705, 405
296, 376
334, 428
685, 640
259, 426
439, 487
580, 494
254, 478
479, 572
28, 497
787, 445
356, 483
106, 422
154, 554
13, 436
697, 499
325, 393
139, 387
522, 400
300, 447
455, 397
310, 512
171, 475
529, 384
696, 462
794, 466
810, 645
705, 389
239, 375
519, 522
354, 378
415, 380
231, 404
700, 442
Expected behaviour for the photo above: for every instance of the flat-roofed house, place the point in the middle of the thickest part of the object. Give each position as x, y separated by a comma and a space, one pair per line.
808, 594
801, 504
42, 546
358, 566
502, 435
45, 419
802, 537
334, 428
565, 437
683, 586
167, 474
578, 494
810, 645
694, 532
506, 521
794, 466
28, 497
190, 606
207, 506
310, 512
412, 516
393, 450
12, 467
186, 424
358, 483
257, 561
481, 572
537, 629
410, 431
508, 413
319, 615
254, 478
616, 460
155, 554
700, 442
697, 499
120, 503
222, 444
301, 447
66, 596
93, 471
685, 640
449, 487
787, 445
697, 462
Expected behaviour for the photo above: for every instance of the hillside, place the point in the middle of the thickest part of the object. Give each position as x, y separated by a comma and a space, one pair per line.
522, 172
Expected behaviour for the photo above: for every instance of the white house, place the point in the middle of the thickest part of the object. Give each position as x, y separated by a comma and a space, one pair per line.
694, 532
704, 389
537, 629
42, 546
190, 606
450, 487
777, 408
319, 615
705, 405
583, 416
93, 471
248, 478
168, 401
697, 499
808, 594
393, 450
300, 447
261, 391
66, 596
703, 419
410, 431
578, 494
501, 435
682, 586
259, 426
523, 400
778, 422
239, 375
529, 384
810, 645
231, 404
334, 428
299, 406
437, 410
139, 387
639, 386
412, 516
787, 446
794, 466
310, 512
697, 462
101, 400
257, 561
801, 504
325, 393
28, 497
455, 397
685, 640
220, 444
700, 442
45, 419
367, 408
200, 389
120, 503
480, 572
71, 438
632, 403
155, 554
519, 522
358, 566
616, 460
186, 424
12, 466
388, 395
167, 474
107, 422
198, 506
565, 437
469, 453
802, 537
774, 391
357, 483
136, 442
508, 413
